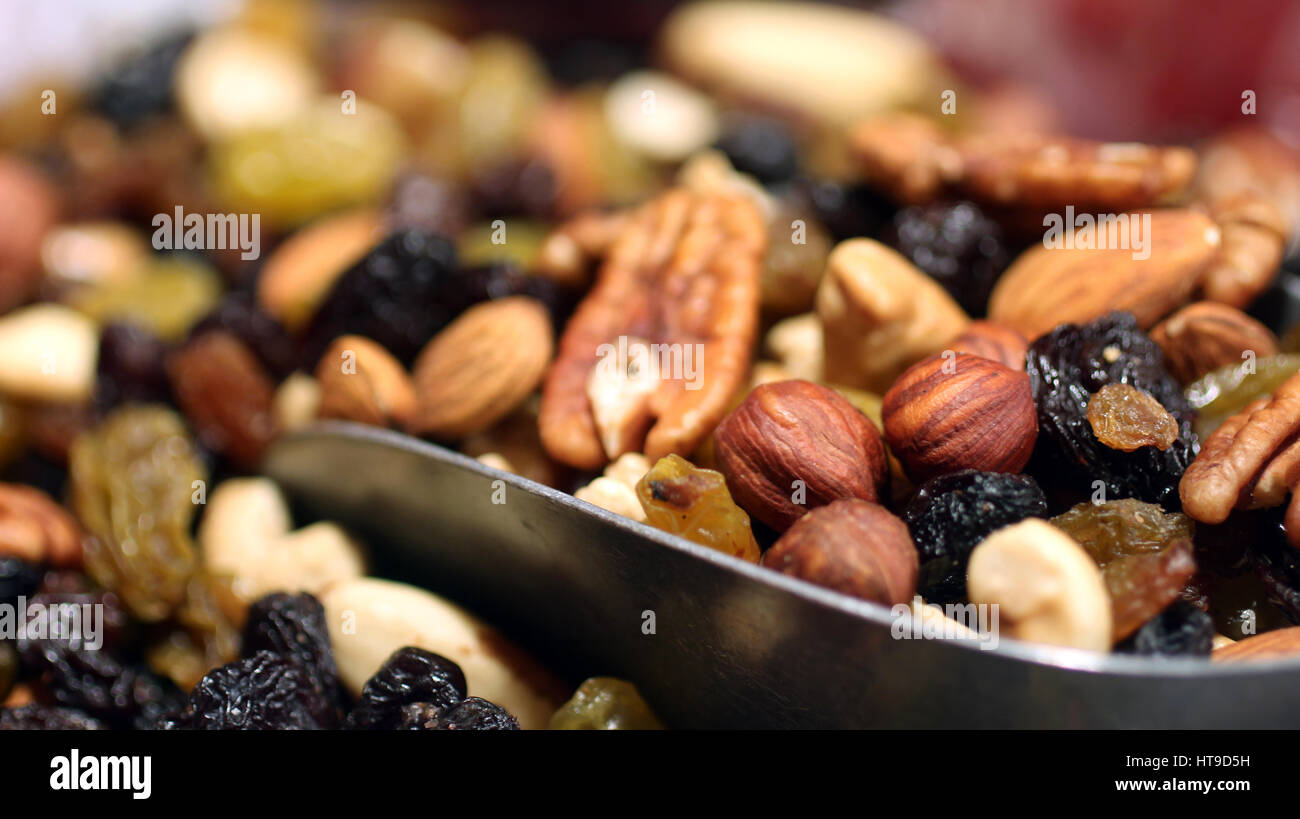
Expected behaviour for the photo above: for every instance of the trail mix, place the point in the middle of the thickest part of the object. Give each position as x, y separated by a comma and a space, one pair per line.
783, 313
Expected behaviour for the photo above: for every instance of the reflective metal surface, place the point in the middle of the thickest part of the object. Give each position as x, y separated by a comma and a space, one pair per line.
734, 645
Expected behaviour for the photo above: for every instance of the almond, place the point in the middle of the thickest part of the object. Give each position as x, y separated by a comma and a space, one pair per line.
1206, 336
481, 366
361, 381
1279, 643
1050, 286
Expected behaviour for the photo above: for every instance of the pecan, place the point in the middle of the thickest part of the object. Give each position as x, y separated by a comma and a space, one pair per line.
35, 528
1248, 159
1206, 336
684, 270
1250, 251
907, 155
1250, 462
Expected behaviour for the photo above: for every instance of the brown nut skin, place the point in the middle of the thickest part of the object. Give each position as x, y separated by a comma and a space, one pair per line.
959, 411
374, 390
988, 339
790, 431
1206, 336
36, 529
29, 208
852, 546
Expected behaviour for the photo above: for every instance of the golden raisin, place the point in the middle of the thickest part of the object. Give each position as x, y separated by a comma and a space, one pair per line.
682, 499
1126, 418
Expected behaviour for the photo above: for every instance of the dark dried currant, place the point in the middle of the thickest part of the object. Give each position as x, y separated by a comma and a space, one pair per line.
474, 714
1070, 364
258, 693
410, 675
240, 315
1180, 630
949, 515
141, 85
514, 188
131, 367
955, 244
18, 578
847, 211
47, 718
761, 147
293, 626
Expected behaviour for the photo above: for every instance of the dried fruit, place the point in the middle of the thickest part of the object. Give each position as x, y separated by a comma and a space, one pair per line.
1225, 392
130, 483
1074, 361
1180, 630
239, 314
949, 516
474, 714
797, 249
948, 413
131, 368
851, 546
762, 147
1206, 336
293, 626
167, 298
605, 704
141, 85
35, 717
792, 446
482, 366
18, 578
881, 315
36, 529
956, 245
1125, 418
263, 692
226, 394
409, 676
232, 57
685, 500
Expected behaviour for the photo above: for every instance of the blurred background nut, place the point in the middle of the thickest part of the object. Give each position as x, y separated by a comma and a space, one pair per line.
516, 439
616, 489
369, 619
797, 343
988, 339
960, 411
49, 353
1046, 587
1206, 335
29, 208
1251, 159
851, 546
1254, 238
296, 402
792, 446
659, 116
36, 529
91, 253
361, 381
880, 315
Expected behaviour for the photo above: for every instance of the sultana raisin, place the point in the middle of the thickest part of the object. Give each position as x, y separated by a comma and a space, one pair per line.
203, 635
950, 514
606, 704
680, 498
410, 675
131, 482
1220, 394
258, 693
1125, 418
227, 395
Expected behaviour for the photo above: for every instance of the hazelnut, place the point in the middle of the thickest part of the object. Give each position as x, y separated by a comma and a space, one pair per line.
996, 342
1046, 587
1206, 336
792, 446
851, 546
959, 411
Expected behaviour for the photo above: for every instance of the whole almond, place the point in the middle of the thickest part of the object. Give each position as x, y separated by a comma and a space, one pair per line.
298, 275
1281, 642
1206, 336
361, 381
1050, 286
481, 366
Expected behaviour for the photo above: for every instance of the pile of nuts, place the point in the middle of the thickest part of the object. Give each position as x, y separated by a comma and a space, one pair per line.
747, 301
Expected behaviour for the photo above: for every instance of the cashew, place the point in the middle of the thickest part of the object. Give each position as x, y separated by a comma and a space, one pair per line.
615, 496
678, 121
369, 619
880, 315
497, 461
48, 353
296, 401
797, 344
1046, 587
628, 469
245, 535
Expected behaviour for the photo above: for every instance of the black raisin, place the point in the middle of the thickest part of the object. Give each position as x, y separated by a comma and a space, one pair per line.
501, 279
18, 578
474, 714
240, 315
258, 693
420, 716
1180, 630
410, 675
761, 147
395, 295
949, 515
46, 718
1068, 365
847, 211
293, 626
131, 368
141, 85
514, 188
956, 245
1277, 566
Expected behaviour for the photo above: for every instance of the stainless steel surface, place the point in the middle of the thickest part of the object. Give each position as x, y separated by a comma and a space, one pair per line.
735, 645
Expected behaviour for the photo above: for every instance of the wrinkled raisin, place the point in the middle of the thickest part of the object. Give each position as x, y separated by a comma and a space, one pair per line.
514, 188
847, 211
949, 515
18, 578
420, 716
956, 245
409, 676
258, 693
605, 704
686, 500
130, 367
141, 85
47, 718
474, 714
761, 147
1072, 362
240, 315
1125, 418
226, 394
1180, 630
293, 626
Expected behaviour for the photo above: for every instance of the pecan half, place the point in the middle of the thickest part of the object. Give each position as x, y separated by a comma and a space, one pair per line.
1206, 336
1254, 236
35, 528
1250, 462
684, 270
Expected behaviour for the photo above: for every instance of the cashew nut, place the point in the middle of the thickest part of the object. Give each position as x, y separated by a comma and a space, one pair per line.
49, 353
1046, 587
616, 489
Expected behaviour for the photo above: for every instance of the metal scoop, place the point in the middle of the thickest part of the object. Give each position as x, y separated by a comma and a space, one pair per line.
712, 641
